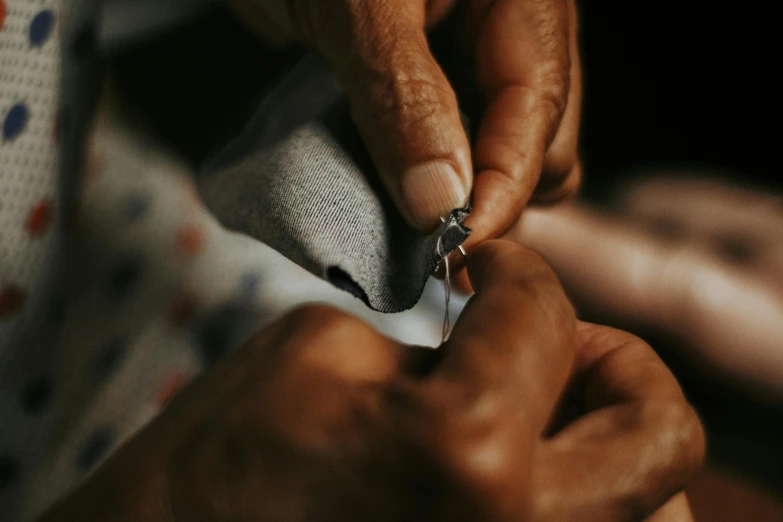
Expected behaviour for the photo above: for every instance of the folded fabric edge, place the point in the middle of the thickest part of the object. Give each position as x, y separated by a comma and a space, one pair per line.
449, 236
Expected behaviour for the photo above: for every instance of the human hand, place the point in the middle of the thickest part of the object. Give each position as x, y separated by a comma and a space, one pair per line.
526, 65
319, 417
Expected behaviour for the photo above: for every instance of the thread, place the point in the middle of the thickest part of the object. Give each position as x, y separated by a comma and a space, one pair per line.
447, 287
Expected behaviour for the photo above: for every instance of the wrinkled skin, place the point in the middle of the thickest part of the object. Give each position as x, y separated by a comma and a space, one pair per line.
320, 418
524, 60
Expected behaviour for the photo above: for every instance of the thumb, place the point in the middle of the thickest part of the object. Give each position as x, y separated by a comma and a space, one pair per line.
402, 104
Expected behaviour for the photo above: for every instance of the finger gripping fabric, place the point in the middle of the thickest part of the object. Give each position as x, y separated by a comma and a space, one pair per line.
296, 176
300, 180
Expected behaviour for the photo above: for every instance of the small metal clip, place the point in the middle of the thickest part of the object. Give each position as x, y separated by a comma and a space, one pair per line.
460, 247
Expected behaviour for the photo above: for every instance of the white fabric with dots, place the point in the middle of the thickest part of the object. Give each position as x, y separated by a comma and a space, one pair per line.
29, 75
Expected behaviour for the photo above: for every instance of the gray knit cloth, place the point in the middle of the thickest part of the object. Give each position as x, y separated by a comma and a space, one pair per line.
300, 180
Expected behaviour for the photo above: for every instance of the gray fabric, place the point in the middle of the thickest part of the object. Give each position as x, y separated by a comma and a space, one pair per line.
299, 179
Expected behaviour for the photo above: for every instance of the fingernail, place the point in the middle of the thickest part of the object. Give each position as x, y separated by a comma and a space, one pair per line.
432, 190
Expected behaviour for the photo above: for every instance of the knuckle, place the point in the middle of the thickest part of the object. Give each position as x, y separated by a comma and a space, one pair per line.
679, 455
385, 60
406, 97
604, 336
566, 190
559, 164
688, 436
552, 94
503, 162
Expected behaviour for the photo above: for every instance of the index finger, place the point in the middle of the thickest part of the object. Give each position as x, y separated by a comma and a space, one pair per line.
523, 66
515, 337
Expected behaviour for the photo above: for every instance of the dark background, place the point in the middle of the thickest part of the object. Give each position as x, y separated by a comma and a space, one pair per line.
680, 83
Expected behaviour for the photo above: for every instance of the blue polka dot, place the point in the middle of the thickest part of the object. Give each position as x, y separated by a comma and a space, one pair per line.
41, 28
136, 206
248, 285
108, 357
94, 448
15, 121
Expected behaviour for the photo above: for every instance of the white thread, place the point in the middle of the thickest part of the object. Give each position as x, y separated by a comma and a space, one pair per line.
447, 286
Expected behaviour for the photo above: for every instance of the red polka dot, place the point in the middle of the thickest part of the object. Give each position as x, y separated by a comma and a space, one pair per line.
3, 10
190, 239
39, 218
170, 387
12, 299
182, 309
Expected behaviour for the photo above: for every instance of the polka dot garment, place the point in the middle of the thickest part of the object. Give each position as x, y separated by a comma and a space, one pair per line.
41, 27
29, 92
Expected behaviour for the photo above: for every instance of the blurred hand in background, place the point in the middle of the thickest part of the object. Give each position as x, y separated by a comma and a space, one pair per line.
694, 258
